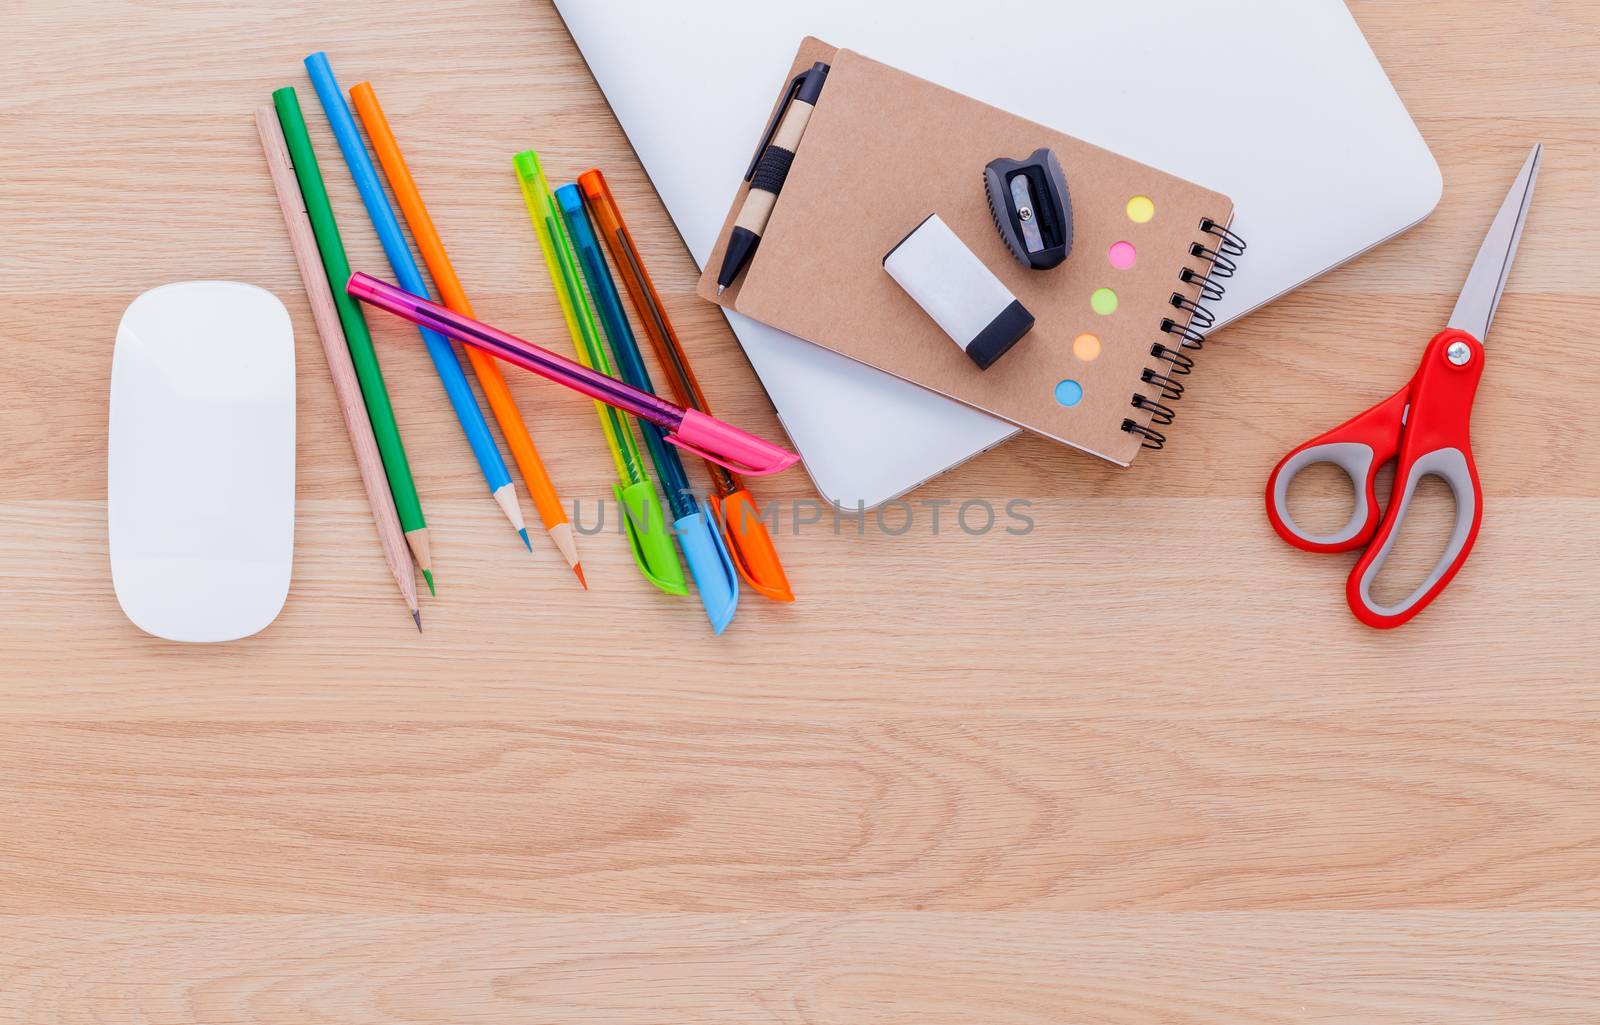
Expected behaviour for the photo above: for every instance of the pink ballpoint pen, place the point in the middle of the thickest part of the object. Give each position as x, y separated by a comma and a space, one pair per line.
689, 429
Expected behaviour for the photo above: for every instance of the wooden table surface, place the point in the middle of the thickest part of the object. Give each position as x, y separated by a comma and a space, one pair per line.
1137, 766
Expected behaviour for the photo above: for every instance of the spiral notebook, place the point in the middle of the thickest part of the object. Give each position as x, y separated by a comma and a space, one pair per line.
1116, 325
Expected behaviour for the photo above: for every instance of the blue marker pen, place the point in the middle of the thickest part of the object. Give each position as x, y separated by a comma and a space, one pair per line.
703, 548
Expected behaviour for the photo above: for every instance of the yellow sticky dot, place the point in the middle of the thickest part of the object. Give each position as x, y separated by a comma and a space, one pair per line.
1141, 209
1103, 302
1086, 347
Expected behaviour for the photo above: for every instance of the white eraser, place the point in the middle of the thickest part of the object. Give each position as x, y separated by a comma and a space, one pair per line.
962, 296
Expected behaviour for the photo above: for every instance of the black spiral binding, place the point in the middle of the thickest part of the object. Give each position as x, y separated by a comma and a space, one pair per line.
1187, 329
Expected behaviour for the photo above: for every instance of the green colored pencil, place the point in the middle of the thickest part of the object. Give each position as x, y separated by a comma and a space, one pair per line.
362, 354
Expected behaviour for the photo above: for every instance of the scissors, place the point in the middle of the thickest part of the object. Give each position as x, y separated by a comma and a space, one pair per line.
1425, 426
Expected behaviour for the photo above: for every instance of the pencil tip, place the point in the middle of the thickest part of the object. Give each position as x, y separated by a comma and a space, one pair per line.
427, 576
523, 533
578, 569
417, 616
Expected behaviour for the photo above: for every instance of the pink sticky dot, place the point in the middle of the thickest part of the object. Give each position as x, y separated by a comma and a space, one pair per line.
1122, 255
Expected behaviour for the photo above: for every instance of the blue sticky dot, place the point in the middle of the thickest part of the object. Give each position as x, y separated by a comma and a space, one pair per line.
1069, 393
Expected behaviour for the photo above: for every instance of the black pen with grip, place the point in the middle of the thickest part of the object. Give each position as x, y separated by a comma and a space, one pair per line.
769, 168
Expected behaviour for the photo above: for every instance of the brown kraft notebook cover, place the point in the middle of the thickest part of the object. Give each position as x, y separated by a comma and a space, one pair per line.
883, 150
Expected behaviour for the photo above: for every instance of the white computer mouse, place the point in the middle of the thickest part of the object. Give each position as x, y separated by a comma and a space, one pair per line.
200, 482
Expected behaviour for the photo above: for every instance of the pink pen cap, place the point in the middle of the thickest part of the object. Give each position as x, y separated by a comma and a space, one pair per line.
728, 446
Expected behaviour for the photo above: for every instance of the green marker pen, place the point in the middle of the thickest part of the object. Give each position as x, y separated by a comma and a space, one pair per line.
643, 520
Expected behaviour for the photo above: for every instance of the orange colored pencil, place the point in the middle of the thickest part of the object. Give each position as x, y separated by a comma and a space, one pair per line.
485, 366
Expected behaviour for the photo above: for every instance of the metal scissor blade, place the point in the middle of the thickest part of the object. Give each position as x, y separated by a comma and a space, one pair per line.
1487, 280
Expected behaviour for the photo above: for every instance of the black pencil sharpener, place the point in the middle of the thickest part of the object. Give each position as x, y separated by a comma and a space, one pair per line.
1031, 207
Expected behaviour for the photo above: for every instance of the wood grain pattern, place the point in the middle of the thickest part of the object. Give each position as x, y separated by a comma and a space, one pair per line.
1138, 765
727, 816
1365, 968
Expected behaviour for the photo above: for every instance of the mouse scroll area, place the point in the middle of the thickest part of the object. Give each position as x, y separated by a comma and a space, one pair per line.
200, 467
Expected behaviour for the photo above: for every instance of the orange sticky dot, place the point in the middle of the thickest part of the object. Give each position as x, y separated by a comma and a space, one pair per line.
1086, 347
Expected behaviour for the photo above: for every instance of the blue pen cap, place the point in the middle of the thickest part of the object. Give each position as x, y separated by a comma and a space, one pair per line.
711, 567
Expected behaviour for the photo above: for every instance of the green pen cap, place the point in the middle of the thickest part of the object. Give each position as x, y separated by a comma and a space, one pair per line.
649, 536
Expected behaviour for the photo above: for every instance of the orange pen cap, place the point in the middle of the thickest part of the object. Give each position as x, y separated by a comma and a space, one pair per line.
750, 545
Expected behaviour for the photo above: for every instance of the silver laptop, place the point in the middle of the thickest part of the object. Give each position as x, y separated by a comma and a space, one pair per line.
1282, 106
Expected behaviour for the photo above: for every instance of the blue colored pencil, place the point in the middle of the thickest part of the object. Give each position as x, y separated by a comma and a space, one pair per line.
409, 277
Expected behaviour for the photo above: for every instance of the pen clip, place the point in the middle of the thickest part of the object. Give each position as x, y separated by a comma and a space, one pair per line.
712, 457
778, 459
772, 126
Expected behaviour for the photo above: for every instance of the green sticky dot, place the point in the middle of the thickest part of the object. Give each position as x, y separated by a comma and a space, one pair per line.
1103, 302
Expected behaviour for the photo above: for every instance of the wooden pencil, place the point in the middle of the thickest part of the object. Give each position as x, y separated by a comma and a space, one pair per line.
369, 374
345, 385
495, 390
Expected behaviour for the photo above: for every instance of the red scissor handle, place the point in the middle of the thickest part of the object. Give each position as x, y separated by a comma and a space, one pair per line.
1437, 440
1426, 427
1359, 447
